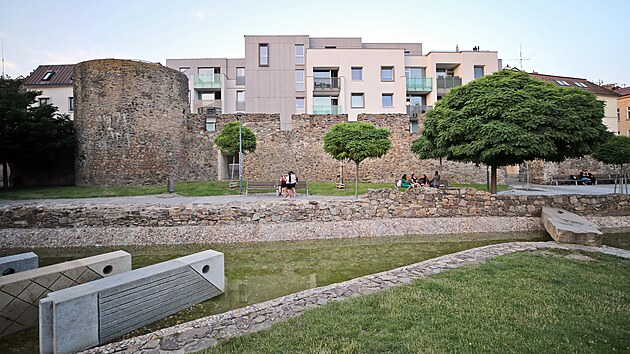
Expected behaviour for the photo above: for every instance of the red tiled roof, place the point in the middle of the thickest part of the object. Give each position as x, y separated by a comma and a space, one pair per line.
62, 75
623, 91
571, 81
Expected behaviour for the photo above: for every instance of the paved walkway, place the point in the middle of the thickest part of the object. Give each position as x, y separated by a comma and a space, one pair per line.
173, 199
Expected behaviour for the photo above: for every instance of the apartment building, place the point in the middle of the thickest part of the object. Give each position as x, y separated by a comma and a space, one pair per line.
623, 110
609, 97
55, 82
302, 74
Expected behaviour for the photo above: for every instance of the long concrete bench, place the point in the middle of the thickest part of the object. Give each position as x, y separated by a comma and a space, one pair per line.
87, 315
18, 263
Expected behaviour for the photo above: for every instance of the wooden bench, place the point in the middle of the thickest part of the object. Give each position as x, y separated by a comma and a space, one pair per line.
563, 179
606, 178
261, 186
302, 185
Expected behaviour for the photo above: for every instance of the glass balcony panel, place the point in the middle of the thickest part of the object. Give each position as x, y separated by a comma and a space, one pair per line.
419, 84
446, 83
326, 83
326, 109
212, 81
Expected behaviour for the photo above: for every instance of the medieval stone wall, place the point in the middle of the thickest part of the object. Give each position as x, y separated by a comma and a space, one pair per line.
130, 120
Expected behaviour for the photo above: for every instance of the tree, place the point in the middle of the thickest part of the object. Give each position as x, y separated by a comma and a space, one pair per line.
615, 151
356, 142
509, 117
33, 138
227, 140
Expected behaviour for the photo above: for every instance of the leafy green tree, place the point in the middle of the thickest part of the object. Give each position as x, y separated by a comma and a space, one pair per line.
356, 142
615, 151
32, 138
509, 117
227, 140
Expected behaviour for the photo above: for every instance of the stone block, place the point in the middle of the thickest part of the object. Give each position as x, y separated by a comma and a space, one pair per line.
95, 313
566, 227
18, 263
21, 292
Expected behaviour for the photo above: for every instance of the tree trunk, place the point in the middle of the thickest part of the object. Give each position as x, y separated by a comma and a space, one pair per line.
493, 179
440, 168
233, 160
356, 182
5, 176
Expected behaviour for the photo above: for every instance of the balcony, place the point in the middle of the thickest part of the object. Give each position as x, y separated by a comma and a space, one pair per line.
208, 107
418, 110
326, 109
419, 84
207, 81
326, 85
446, 83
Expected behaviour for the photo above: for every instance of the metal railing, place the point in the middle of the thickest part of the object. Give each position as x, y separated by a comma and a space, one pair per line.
207, 81
445, 84
420, 84
418, 110
326, 109
326, 83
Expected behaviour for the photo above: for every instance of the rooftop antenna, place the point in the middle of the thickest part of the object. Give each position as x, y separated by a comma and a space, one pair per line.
520, 57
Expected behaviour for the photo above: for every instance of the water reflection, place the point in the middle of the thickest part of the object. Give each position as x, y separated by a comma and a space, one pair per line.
258, 272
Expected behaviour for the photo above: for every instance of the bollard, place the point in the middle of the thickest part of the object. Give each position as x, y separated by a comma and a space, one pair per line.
170, 185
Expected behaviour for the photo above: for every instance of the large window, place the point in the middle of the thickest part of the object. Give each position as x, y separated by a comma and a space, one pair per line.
478, 71
387, 73
413, 72
299, 80
263, 54
387, 100
240, 100
357, 100
208, 71
357, 73
240, 76
299, 54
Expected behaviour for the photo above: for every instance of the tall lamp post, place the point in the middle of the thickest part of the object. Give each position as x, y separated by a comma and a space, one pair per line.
239, 116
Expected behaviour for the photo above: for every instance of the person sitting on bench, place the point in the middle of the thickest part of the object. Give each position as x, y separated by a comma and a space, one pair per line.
586, 177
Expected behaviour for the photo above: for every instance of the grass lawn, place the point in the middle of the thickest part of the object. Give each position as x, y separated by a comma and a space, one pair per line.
523, 303
209, 188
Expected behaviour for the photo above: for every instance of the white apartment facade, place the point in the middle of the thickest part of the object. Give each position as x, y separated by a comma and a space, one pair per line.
301, 74
56, 84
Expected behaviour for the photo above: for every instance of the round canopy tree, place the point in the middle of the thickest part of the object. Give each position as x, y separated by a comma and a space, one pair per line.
509, 117
356, 142
615, 151
227, 140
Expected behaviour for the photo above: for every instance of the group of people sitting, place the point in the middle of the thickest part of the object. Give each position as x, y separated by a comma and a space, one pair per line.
287, 185
586, 177
414, 182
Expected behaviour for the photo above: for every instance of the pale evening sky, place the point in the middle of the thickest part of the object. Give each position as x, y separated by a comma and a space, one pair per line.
578, 38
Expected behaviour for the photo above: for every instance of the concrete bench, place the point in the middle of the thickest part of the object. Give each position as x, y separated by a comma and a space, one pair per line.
261, 186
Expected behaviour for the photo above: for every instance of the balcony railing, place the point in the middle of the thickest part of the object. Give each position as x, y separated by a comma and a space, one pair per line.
207, 81
326, 84
326, 109
207, 106
419, 84
445, 84
418, 110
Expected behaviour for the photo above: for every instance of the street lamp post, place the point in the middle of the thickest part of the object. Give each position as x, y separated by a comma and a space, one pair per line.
239, 116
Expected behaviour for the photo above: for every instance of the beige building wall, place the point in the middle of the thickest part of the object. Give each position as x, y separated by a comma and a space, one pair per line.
610, 113
59, 97
623, 104
371, 61
271, 88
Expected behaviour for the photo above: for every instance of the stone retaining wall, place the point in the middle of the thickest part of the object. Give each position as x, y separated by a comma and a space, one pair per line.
378, 204
205, 332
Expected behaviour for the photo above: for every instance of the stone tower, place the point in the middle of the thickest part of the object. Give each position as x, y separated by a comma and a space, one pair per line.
130, 120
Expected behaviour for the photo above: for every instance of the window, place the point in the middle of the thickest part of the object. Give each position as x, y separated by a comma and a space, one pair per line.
413, 126
387, 100
412, 72
628, 113
71, 104
240, 100
44, 100
211, 124
580, 84
263, 54
618, 114
562, 83
184, 69
478, 71
208, 71
299, 54
299, 80
357, 100
206, 96
240, 76
49, 74
357, 73
387, 73
299, 103
330, 47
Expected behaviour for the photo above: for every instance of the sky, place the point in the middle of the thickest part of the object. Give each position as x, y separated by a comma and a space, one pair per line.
578, 38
